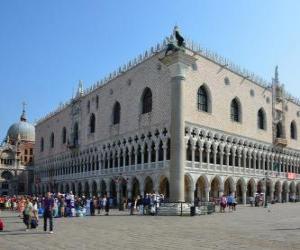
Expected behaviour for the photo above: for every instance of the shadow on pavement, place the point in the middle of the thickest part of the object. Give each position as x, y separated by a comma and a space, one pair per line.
286, 229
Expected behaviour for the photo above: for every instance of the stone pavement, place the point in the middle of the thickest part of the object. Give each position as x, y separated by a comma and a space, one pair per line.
247, 228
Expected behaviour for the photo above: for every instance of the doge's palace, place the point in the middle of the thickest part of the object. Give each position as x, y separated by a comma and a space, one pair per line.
178, 120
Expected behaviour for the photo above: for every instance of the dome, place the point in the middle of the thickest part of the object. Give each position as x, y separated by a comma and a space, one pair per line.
22, 128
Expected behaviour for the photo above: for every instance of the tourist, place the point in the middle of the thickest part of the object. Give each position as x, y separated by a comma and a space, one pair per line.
48, 209
27, 214
223, 203
62, 206
105, 202
92, 206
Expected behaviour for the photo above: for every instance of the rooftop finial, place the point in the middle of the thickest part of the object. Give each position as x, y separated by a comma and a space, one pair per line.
80, 89
276, 75
23, 116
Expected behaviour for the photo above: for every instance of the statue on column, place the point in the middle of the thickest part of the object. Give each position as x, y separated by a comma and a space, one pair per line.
179, 45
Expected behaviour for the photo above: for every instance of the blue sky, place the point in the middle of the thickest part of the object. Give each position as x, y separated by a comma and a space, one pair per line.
46, 47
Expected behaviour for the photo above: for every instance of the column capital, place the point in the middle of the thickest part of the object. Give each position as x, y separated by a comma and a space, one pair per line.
178, 62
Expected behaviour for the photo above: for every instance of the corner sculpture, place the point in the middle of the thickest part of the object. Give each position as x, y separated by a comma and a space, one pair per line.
172, 46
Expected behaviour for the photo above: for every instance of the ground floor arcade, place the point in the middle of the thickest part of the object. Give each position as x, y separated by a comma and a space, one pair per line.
203, 187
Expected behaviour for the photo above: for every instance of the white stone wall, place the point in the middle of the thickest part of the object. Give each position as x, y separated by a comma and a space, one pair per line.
132, 121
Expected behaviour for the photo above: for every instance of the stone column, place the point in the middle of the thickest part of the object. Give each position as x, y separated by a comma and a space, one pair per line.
178, 62
245, 195
207, 190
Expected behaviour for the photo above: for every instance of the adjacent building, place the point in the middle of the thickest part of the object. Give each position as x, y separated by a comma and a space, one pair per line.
17, 158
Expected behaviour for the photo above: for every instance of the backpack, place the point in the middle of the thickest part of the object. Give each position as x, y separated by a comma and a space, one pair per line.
1, 225
34, 223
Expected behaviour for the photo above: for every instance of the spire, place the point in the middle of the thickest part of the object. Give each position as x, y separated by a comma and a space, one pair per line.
23, 116
276, 79
80, 89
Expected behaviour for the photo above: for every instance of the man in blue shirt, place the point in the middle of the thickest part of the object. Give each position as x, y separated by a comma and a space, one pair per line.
48, 208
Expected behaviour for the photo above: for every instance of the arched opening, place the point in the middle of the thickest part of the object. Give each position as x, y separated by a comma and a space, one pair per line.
260, 187
52, 140
203, 98
277, 191
103, 188
298, 192
67, 188
261, 119
75, 134
235, 110
164, 187
146, 101
215, 187
293, 130
148, 185
292, 191
113, 189
94, 188
64, 135
251, 188
135, 188
86, 189
229, 187
116, 113
188, 188
201, 186
79, 189
279, 133
42, 144
73, 187
285, 191
239, 191
92, 123
268, 190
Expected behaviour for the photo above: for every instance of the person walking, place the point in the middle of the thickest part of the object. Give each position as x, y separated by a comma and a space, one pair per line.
48, 209
28, 213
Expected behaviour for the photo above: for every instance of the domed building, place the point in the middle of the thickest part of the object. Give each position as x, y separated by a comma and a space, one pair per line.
16, 158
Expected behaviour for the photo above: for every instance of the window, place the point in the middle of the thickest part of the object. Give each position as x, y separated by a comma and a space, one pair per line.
75, 134
88, 106
26, 152
42, 144
52, 140
293, 130
147, 101
92, 124
203, 99
97, 102
116, 113
261, 119
235, 110
279, 130
64, 135
31, 151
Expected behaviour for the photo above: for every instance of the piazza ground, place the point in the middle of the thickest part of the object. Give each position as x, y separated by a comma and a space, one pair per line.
247, 228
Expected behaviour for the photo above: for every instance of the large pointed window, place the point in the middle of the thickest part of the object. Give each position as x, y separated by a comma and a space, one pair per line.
64, 135
75, 134
235, 110
261, 119
147, 101
42, 144
92, 124
116, 113
279, 130
52, 140
293, 130
203, 99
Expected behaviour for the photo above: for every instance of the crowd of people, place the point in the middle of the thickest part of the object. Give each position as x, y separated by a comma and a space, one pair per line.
31, 208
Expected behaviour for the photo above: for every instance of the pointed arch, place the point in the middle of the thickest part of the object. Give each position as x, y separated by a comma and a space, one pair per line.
146, 101
52, 140
293, 130
116, 113
236, 110
261, 119
279, 131
204, 98
64, 135
92, 123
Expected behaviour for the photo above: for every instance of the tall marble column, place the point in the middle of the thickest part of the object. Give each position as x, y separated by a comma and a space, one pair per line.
177, 62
